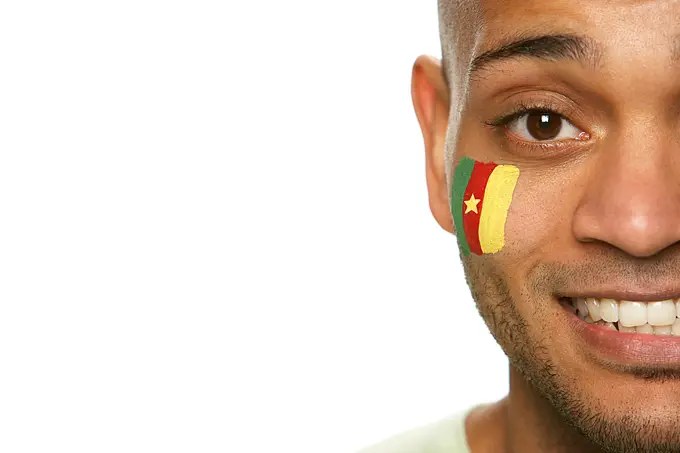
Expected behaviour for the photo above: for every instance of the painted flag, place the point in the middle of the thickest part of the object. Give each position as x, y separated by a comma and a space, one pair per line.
480, 199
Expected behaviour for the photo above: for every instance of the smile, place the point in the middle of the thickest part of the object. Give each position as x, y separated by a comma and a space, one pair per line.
625, 332
652, 318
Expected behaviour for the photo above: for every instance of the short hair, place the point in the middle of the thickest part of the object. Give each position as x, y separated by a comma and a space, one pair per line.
458, 22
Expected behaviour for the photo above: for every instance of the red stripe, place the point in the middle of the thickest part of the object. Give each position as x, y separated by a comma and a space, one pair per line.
476, 186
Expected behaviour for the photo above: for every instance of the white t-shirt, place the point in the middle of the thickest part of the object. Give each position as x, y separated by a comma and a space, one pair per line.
444, 436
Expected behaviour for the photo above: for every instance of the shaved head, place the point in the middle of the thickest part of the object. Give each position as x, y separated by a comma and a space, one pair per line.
458, 20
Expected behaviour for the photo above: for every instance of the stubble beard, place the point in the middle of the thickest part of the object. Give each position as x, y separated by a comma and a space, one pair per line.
614, 433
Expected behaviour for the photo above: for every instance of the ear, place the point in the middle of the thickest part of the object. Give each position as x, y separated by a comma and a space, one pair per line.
430, 96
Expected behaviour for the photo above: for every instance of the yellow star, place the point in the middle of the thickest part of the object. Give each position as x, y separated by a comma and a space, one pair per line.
471, 204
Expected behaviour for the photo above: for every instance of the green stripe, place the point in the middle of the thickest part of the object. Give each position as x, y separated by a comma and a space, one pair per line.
461, 177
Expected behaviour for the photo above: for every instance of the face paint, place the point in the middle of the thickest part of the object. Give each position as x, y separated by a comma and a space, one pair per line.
480, 199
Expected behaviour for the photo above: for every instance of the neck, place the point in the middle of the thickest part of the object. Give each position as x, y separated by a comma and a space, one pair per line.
523, 422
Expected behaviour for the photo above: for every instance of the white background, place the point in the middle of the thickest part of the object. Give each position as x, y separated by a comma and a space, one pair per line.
214, 230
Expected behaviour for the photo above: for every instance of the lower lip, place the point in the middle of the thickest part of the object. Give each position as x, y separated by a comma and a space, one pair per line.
627, 348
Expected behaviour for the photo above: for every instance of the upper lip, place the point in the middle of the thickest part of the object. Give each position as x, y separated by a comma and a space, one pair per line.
627, 294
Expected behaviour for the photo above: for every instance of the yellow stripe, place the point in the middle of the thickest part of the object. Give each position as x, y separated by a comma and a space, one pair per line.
497, 197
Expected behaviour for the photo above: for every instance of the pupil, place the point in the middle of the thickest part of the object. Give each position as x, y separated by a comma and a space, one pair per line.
544, 126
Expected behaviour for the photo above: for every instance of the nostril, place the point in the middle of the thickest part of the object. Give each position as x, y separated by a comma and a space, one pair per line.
639, 223
638, 235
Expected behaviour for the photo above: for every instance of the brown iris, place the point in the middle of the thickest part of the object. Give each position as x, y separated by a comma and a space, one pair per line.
544, 125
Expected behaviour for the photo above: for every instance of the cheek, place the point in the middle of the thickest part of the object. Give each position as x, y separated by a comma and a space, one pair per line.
539, 218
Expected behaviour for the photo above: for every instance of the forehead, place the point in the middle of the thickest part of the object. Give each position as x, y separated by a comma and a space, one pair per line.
626, 25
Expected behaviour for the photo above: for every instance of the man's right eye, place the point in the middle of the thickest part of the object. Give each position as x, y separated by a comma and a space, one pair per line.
543, 126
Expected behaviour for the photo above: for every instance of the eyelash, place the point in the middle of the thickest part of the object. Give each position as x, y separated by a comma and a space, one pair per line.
500, 124
523, 109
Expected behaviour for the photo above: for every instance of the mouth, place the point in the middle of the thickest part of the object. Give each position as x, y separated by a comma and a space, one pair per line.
626, 333
660, 317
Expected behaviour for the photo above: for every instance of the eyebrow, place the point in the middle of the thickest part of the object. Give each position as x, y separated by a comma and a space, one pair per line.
545, 47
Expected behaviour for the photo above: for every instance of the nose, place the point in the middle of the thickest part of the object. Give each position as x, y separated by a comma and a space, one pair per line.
632, 199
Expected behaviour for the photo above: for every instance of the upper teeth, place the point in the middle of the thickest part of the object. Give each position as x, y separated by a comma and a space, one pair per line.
631, 314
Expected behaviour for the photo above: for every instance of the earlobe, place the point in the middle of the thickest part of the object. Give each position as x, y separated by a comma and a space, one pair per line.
430, 96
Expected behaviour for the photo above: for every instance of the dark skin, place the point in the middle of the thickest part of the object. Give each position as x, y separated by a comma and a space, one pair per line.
597, 207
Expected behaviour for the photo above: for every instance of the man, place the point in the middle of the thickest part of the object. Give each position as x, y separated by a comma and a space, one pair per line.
571, 249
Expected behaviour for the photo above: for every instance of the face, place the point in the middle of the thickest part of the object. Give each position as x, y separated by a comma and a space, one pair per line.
583, 97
